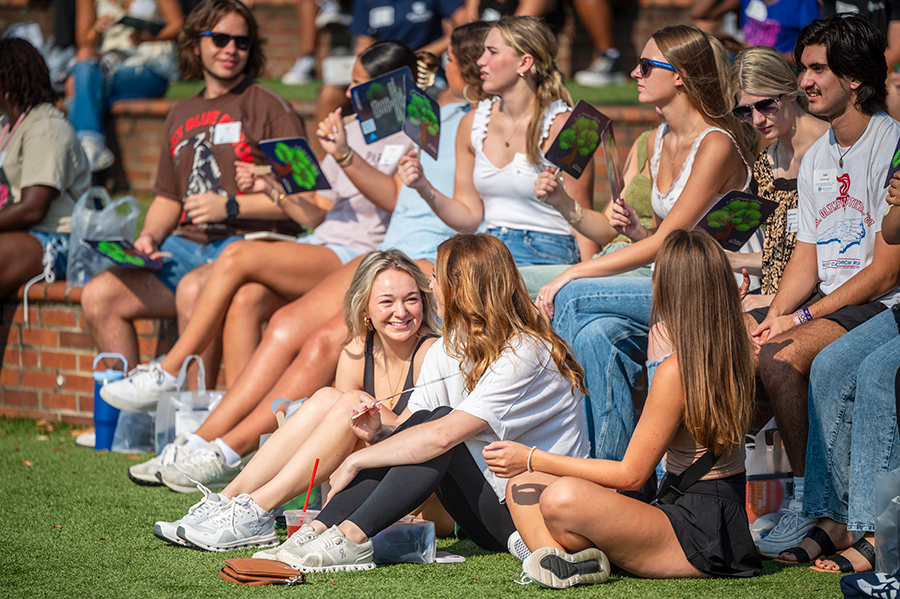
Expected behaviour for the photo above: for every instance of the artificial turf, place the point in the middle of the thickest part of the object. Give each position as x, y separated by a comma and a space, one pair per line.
73, 525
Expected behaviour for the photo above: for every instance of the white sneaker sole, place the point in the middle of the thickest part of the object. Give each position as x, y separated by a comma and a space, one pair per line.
144, 479
555, 569
129, 405
773, 547
344, 568
266, 541
174, 539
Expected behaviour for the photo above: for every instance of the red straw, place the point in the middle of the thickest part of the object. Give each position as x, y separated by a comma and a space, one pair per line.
311, 481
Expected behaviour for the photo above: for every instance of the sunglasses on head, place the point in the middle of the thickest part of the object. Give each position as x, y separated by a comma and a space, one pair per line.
766, 107
241, 42
646, 65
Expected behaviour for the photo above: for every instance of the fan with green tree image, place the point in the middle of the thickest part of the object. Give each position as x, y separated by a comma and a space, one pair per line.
738, 214
297, 164
735, 218
582, 137
422, 123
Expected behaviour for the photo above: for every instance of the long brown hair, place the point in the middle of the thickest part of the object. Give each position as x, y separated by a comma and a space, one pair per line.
529, 35
695, 295
486, 305
467, 45
203, 18
704, 70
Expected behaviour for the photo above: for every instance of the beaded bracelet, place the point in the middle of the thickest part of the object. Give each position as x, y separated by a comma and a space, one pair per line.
802, 315
528, 462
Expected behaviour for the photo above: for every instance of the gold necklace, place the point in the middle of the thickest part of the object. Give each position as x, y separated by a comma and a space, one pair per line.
387, 372
678, 145
508, 137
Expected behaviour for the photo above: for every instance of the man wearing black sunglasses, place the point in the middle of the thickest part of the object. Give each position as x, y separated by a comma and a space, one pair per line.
840, 256
195, 184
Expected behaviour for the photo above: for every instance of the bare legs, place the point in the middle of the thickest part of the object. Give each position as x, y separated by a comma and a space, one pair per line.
289, 269
27, 263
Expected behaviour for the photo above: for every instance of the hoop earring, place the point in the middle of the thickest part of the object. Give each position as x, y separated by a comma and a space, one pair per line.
368, 322
522, 75
466, 95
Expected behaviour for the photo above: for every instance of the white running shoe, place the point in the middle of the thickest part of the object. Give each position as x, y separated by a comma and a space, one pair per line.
330, 13
789, 531
517, 547
554, 568
303, 71
205, 466
146, 473
99, 156
87, 440
211, 503
330, 551
603, 71
140, 391
303, 535
235, 525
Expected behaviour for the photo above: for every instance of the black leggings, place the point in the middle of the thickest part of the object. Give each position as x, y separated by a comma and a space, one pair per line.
379, 497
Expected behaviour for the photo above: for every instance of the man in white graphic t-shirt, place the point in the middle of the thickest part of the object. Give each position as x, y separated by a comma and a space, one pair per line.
842, 272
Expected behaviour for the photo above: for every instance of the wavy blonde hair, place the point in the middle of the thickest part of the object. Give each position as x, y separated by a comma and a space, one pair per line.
486, 305
695, 295
703, 65
529, 35
357, 297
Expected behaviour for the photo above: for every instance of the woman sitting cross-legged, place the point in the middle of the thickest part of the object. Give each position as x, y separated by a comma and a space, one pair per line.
392, 320
700, 400
499, 373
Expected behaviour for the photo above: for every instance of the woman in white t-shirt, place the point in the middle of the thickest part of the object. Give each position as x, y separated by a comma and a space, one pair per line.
514, 128
499, 373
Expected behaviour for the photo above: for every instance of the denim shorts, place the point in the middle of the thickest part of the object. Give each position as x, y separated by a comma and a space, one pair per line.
58, 245
188, 255
530, 248
345, 253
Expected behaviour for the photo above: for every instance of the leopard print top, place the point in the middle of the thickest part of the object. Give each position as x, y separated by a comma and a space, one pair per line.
779, 244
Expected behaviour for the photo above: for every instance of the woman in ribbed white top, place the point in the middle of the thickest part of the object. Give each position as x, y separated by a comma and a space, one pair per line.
514, 128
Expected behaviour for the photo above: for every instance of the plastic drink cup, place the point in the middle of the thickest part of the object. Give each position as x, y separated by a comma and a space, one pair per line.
105, 416
294, 519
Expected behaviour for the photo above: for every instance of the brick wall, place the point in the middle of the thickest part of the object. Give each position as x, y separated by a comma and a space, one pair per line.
46, 365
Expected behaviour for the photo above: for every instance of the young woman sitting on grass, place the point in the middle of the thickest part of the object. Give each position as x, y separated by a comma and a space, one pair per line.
500, 372
700, 400
392, 321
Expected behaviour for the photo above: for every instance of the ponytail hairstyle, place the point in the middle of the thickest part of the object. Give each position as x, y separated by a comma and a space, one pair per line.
529, 35
702, 63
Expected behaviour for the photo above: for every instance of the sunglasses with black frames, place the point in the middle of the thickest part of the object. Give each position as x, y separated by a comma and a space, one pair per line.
765, 107
241, 42
645, 65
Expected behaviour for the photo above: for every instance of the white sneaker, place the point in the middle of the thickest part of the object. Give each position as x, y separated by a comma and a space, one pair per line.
603, 71
517, 547
303, 535
205, 466
235, 525
789, 531
211, 502
554, 568
140, 391
87, 440
99, 156
330, 551
146, 473
330, 14
303, 71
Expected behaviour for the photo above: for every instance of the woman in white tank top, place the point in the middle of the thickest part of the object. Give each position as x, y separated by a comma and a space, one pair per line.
697, 156
514, 128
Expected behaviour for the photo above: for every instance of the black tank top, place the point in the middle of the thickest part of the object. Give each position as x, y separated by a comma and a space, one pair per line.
369, 371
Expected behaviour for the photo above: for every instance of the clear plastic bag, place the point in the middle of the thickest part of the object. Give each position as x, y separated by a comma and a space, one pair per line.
134, 432
95, 217
410, 540
184, 411
887, 520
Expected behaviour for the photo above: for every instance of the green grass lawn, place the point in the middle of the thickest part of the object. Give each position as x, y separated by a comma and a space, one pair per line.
625, 93
73, 525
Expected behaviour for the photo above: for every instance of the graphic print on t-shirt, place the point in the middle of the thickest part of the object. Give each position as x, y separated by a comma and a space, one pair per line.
845, 233
205, 172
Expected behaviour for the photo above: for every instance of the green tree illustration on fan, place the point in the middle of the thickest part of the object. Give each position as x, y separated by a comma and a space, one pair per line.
581, 137
115, 252
421, 115
738, 214
297, 165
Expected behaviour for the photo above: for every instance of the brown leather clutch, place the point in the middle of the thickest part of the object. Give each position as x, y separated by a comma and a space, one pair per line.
260, 572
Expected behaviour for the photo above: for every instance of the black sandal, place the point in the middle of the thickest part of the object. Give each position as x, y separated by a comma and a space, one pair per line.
820, 537
862, 546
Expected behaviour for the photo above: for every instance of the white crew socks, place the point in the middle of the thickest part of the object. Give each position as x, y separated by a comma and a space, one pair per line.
798, 488
231, 457
169, 378
195, 442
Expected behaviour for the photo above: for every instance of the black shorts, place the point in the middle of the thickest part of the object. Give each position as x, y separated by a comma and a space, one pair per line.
710, 522
848, 317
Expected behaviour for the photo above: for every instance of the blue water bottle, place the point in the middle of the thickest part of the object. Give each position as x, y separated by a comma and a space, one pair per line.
105, 416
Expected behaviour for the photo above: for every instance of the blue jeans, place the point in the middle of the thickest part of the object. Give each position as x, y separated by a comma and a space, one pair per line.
530, 248
606, 322
94, 94
188, 255
849, 441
